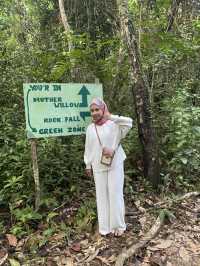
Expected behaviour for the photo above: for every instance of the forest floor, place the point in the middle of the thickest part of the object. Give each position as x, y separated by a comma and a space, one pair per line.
176, 244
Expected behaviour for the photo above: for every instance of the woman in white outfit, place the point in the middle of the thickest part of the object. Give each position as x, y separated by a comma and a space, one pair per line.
103, 137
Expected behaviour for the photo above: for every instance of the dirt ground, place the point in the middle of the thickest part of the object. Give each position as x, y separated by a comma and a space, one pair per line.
177, 243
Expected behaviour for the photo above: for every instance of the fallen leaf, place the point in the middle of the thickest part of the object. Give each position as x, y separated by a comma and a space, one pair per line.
2, 253
148, 201
142, 221
63, 261
193, 247
3, 259
137, 203
84, 243
92, 256
76, 247
184, 254
68, 261
18, 203
57, 237
20, 244
67, 252
103, 260
12, 240
50, 262
141, 233
140, 208
155, 259
169, 263
112, 259
42, 226
147, 259
14, 262
162, 244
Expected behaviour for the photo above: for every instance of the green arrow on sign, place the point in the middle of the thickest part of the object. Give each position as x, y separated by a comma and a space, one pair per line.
83, 115
33, 129
84, 92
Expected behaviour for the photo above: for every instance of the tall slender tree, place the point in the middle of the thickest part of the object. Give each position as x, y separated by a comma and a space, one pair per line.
141, 97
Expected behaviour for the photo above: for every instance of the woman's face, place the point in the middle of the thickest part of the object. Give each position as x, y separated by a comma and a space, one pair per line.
96, 112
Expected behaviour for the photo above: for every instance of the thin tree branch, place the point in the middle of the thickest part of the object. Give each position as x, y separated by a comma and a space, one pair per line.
173, 13
153, 232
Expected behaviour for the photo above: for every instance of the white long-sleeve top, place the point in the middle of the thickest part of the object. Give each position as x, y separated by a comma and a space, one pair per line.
110, 134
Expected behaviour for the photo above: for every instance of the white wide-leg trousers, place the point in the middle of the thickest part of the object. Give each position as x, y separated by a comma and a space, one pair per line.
110, 201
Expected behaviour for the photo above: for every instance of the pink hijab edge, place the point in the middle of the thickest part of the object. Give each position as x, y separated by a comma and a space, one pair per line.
103, 106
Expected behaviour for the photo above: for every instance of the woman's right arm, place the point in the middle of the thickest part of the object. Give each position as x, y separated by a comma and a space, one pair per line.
87, 154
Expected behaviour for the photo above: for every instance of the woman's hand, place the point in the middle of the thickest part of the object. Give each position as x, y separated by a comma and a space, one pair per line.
88, 172
107, 151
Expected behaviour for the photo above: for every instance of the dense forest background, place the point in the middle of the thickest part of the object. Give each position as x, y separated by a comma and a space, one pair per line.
35, 47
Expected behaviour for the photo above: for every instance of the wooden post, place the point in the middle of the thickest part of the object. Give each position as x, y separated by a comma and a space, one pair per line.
35, 172
96, 81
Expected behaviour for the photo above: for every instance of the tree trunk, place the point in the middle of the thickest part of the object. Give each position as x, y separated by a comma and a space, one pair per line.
65, 23
141, 97
68, 32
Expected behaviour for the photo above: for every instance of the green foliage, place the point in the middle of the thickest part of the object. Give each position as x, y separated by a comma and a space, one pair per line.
51, 215
182, 140
86, 216
14, 262
23, 220
25, 215
15, 166
34, 48
19, 230
2, 228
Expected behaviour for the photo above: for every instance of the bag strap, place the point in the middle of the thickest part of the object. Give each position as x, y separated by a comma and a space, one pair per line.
98, 135
100, 140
